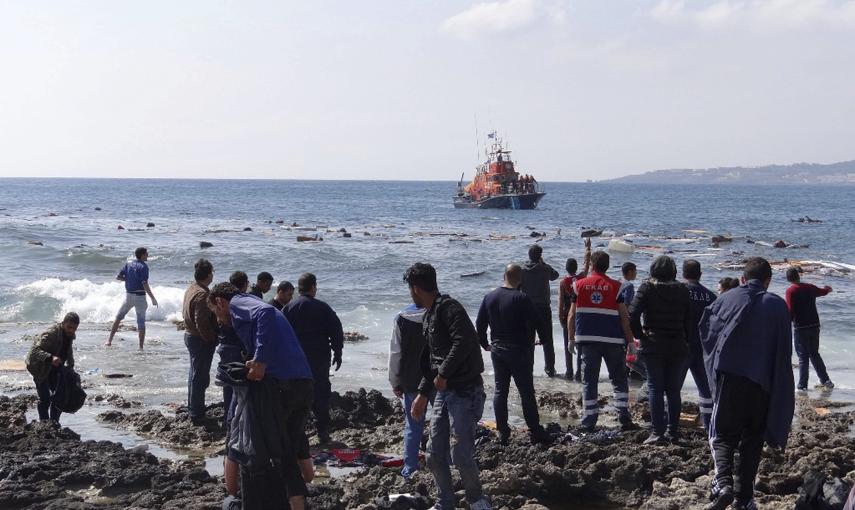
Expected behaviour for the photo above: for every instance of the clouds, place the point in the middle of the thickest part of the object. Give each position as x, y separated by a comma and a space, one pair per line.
501, 17
758, 15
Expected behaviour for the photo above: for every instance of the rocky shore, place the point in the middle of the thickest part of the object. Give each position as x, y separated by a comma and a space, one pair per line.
42, 466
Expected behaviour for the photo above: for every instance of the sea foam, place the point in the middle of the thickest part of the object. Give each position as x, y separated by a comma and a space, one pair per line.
51, 298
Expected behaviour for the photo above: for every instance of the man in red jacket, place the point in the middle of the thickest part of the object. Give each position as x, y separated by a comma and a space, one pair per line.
801, 301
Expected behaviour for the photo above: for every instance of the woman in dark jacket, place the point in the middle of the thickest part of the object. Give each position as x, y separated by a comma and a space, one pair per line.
663, 304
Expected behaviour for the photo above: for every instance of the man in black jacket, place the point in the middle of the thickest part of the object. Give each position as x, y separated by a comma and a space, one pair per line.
508, 313
536, 275
452, 365
320, 333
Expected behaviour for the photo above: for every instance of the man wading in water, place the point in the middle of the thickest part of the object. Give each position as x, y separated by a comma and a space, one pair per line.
135, 276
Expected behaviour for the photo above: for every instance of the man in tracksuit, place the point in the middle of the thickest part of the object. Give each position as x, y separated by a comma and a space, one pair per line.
746, 339
320, 333
452, 366
700, 297
535, 282
405, 374
599, 325
508, 312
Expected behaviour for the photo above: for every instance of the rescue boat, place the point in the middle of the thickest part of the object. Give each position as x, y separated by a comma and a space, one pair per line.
497, 184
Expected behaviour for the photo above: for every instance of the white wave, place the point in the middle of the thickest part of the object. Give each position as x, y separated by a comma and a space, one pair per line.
94, 302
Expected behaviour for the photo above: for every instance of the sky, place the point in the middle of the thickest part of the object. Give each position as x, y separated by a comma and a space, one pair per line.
398, 89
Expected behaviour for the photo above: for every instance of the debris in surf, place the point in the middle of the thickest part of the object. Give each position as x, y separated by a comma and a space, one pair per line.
354, 336
36, 243
205, 244
120, 228
149, 225
247, 229
472, 275
721, 239
621, 246
309, 239
591, 233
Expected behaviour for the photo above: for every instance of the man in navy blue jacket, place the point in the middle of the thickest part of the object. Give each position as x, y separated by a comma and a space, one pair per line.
509, 313
747, 345
320, 333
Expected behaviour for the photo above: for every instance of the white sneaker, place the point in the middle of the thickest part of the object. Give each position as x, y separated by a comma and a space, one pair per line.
481, 504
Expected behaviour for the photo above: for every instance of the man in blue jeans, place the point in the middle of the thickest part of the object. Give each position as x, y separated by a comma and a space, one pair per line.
200, 337
405, 374
801, 301
508, 313
452, 366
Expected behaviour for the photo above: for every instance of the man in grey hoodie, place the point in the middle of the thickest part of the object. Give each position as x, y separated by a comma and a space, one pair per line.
535, 282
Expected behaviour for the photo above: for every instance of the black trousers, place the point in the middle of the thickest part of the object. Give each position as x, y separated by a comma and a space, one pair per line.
513, 362
47, 411
738, 423
545, 314
320, 366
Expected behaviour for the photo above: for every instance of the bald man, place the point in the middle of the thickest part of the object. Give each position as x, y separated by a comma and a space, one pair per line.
508, 312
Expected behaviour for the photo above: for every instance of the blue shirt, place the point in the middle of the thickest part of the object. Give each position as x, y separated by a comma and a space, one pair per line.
135, 274
627, 292
268, 337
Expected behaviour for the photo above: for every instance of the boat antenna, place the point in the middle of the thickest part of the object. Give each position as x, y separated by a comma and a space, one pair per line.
476, 138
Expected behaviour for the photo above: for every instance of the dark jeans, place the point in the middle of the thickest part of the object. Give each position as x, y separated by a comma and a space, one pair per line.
806, 343
699, 374
665, 376
738, 423
455, 412
545, 314
593, 354
568, 358
320, 366
297, 398
47, 411
513, 362
199, 376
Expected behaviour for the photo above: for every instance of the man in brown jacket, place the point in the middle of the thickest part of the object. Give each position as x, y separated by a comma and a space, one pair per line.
200, 337
50, 350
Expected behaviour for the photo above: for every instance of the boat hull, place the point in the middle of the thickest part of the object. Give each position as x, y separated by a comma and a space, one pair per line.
517, 201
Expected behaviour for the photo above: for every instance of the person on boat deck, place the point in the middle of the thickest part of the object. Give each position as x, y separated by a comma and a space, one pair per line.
535, 283
50, 350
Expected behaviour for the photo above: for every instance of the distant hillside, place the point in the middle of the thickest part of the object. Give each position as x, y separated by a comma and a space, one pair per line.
798, 173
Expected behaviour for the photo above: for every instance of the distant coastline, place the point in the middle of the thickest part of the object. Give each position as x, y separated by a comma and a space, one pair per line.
833, 174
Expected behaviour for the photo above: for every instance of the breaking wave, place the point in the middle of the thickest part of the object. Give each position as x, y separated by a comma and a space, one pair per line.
51, 298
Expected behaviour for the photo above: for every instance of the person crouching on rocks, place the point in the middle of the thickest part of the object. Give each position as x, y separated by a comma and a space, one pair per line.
451, 365
405, 354
50, 350
664, 304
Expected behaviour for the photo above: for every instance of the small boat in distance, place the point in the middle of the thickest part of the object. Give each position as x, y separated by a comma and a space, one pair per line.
497, 184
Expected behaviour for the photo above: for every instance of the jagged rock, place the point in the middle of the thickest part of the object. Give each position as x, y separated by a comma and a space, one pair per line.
205, 244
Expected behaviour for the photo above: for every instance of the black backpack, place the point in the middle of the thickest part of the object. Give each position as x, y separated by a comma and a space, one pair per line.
68, 395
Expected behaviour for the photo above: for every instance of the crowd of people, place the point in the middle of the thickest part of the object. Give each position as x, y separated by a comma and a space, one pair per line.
276, 357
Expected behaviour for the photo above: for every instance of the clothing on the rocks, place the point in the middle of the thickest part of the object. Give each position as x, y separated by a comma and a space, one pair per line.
199, 320
746, 332
405, 349
268, 337
801, 301
53, 342
453, 349
535, 281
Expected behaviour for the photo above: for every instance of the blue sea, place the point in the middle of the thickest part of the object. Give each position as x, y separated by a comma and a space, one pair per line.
61, 247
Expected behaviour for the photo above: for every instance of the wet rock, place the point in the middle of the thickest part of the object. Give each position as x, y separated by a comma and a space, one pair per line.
591, 233
149, 225
559, 402
721, 239
347, 234
36, 243
173, 431
535, 233
247, 229
780, 244
280, 222
116, 401
354, 336
43, 465
97, 208
120, 228
205, 244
